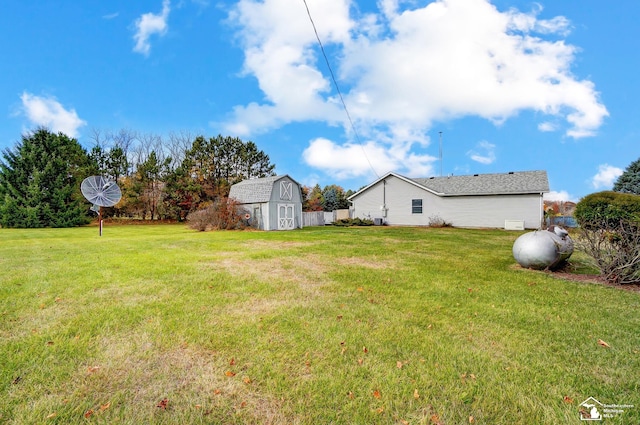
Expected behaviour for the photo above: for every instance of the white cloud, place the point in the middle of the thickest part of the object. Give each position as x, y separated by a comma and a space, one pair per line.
547, 126
353, 160
48, 112
562, 196
111, 16
606, 176
149, 24
405, 68
486, 155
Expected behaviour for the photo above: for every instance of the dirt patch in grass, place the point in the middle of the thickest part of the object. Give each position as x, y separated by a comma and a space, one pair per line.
133, 371
367, 262
595, 279
255, 307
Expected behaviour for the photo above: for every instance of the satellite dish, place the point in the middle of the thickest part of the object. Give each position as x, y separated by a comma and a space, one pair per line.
101, 193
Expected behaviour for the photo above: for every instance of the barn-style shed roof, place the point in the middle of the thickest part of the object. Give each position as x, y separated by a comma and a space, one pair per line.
255, 191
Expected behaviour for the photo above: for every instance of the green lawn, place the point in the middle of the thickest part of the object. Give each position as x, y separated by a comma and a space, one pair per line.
164, 325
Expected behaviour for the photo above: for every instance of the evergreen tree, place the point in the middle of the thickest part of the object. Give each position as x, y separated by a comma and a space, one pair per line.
334, 198
40, 182
629, 180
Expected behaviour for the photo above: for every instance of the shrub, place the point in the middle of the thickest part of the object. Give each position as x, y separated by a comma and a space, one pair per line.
607, 207
610, 234
437, 221
348, 222
224, 214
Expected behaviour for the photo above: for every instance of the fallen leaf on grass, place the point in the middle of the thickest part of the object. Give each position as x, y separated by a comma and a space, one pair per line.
377, 394
88, 413
604, 344
92, 369
232, 361
567, 399
380, 410
399, 364
360, 361
435, 419
52, 415
164, 404
350, 395
365, 350
416, 394
217, 391
243, 404
472, 420
230, 373
360, 289
105, 407
247, 380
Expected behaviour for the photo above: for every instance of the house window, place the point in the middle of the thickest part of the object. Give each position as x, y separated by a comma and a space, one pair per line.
416, 206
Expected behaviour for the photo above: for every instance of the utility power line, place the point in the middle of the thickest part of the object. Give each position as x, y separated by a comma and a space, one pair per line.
335, 83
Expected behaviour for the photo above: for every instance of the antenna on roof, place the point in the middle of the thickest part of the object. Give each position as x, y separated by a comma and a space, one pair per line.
440, 132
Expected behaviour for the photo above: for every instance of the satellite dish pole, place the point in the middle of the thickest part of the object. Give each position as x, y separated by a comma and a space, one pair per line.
101, 193
440, 132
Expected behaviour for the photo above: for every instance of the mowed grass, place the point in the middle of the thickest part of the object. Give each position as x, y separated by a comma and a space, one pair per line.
164, 325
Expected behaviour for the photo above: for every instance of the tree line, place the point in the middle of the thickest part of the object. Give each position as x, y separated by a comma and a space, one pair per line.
160, 177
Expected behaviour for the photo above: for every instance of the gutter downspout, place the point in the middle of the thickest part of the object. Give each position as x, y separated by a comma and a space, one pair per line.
541, 210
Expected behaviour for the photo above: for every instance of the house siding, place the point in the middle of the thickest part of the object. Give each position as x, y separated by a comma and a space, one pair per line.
493, 210
460, 211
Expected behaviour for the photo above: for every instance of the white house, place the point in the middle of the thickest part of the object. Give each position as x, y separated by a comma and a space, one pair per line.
507, 200
273, 203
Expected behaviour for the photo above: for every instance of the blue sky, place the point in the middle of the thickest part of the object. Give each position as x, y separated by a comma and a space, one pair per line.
512, 85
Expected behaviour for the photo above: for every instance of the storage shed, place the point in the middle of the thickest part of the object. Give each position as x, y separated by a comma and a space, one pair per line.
273, 203
502, 200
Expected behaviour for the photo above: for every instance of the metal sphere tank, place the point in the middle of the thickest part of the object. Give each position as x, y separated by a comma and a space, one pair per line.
543, 249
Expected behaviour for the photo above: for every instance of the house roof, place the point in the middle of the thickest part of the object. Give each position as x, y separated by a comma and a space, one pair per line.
255, 190
488, 184
512, 183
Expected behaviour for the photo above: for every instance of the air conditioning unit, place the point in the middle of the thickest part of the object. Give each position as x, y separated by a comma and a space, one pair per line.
378, 221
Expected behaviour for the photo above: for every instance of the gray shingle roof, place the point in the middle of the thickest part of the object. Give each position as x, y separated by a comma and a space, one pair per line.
488, 184
255, 191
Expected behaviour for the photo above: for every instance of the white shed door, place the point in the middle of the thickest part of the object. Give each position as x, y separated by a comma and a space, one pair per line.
285, 216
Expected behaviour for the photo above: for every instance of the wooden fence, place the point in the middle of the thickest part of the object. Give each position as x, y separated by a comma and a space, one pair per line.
320, 218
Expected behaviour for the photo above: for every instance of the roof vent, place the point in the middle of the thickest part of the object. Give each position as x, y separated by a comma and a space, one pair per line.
475, 175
